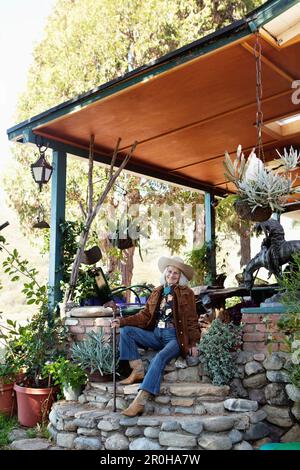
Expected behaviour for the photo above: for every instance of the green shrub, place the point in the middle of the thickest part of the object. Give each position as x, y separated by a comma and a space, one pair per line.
66, 373
289, 323
216, 346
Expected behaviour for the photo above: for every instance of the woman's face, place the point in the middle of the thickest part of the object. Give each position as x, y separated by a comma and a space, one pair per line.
172, 275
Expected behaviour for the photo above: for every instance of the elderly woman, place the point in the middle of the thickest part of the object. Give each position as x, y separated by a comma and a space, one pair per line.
168, 324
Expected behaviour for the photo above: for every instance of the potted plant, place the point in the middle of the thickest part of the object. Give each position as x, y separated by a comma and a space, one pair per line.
7, 378
68, 375
261, 191
95, 354
33, 344
9, 368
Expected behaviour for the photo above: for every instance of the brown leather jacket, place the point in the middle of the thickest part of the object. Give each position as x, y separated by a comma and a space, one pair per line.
184, 313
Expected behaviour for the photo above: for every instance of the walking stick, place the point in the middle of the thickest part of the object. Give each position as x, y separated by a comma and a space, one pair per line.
114, 365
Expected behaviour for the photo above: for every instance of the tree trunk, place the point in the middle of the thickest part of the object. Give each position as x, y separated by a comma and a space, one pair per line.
198, 233
245, 244
127, 269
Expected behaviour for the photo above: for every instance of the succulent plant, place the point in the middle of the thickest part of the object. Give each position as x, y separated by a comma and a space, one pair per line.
260, 187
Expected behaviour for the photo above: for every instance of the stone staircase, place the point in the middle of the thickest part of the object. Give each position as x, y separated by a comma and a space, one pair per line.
190, 413
190, 416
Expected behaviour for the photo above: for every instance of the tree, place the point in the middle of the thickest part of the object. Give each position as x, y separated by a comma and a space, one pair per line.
88, 42
228, 221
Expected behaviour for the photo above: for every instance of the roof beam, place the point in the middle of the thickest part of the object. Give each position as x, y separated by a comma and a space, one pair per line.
143, 170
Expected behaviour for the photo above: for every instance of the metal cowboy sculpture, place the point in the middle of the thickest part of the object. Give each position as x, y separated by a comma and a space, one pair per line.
275, 251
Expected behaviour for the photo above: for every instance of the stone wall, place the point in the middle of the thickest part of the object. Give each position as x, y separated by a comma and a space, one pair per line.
258, 330
189, 412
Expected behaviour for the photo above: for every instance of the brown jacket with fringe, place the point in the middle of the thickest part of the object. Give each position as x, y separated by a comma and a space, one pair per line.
184, 314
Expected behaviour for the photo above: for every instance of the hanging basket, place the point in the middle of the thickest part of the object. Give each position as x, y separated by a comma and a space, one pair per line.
91, 256
245, 212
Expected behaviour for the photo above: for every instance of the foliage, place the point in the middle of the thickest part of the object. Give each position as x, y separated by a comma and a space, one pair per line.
144, 290
94, 353
198, 258
289, 323
7, 373
87, 43
40, 430
216, 345
30, 346
258, 185
6, 426
85, 285
64, 372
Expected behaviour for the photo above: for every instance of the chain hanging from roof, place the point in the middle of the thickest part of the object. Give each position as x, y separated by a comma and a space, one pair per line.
259, 93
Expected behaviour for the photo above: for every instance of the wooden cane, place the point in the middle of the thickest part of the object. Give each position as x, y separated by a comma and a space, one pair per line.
114, 365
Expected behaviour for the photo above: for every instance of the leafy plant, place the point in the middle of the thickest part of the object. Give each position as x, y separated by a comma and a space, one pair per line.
94, 353
198, 258
66, 373
30, 346
216, 345
289, 323
144, 291
85, 285
6, 426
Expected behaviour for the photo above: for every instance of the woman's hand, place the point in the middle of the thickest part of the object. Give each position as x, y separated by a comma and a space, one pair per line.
193, 351
115, 323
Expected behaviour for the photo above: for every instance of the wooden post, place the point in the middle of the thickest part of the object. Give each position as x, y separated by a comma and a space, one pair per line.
210, 235
58, 204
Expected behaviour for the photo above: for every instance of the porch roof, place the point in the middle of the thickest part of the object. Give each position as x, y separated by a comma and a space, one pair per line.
187, 107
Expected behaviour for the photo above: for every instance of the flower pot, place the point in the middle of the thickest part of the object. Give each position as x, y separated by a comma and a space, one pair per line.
7, 399
143, 300
259, 214
34, 404
97, 377
71, 393
90, 302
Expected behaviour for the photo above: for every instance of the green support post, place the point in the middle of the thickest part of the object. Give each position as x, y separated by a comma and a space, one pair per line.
58, 204
210, 235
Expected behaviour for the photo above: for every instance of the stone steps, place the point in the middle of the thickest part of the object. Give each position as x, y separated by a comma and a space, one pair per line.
174, 398
85, 426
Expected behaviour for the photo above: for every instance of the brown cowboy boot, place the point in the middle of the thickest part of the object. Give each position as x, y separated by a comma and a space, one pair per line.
137, 373
138, 404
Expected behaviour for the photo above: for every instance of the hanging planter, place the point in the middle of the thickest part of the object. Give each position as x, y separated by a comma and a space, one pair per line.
260, 191
245, 212
121, 239
91, 256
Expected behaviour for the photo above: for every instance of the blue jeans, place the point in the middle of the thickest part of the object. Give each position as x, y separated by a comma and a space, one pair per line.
163, 340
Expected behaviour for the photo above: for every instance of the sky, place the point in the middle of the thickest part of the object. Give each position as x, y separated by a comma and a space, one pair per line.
21, 28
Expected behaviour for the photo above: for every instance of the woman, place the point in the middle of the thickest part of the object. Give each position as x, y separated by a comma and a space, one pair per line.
168, 323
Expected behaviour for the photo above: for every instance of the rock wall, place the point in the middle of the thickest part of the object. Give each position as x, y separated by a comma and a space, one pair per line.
190, 412
259, 405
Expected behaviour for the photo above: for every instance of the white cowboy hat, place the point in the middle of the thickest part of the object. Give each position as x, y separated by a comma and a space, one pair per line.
178, 262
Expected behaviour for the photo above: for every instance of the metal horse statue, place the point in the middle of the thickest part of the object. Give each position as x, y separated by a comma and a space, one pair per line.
275, 251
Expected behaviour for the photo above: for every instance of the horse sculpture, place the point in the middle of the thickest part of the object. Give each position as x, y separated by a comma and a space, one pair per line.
275, 251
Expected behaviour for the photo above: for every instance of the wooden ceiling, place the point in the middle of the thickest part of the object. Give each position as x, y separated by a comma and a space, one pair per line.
188, 107
186, 118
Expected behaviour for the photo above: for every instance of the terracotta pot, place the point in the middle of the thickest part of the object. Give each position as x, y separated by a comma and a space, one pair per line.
34, 404
7, 399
